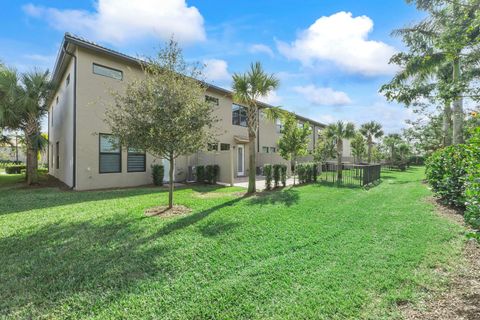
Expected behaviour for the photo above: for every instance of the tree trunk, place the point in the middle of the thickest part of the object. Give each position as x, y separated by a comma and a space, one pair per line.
458, 116
339, 159
293, 165
32, 162
252, 165
171, 182
447, 118
370, 145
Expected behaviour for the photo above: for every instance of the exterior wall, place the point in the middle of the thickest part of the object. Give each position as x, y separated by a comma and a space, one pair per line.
93, 99
61, 128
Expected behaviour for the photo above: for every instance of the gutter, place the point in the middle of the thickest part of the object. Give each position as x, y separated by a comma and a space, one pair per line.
74, 144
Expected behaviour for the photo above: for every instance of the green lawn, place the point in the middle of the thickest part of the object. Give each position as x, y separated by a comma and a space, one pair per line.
308, 252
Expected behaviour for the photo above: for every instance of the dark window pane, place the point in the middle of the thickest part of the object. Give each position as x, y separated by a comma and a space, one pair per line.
110, 154
107, 72
224, 146
109, 163
136, 162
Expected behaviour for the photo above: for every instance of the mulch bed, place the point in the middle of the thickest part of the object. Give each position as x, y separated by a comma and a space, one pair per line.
461, 300
165, 212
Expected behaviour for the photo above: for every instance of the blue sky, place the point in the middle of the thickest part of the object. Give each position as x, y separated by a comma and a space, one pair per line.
330, 55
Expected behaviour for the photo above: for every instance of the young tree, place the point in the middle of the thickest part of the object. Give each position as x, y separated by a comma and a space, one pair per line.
337, 132
164, 113
324, 150
358, 147
23, 104
294, 140
248, 87
371, 130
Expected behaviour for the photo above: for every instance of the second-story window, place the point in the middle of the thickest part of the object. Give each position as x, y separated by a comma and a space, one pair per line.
212, 147
279, 125
212, 100
107, 72
239, 115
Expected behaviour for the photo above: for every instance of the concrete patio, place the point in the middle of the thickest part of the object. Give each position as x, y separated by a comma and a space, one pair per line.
243, 182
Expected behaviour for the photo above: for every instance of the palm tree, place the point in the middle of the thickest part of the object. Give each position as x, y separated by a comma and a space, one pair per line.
371, 130
337, 132
248, 87
391, 141
23, 104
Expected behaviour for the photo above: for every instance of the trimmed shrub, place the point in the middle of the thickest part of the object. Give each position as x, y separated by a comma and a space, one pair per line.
472, 185
14, 169
158, 172
211, 173
277, 174
307, 172
283, 174
200, 173
315, 172
446, 173
267, 171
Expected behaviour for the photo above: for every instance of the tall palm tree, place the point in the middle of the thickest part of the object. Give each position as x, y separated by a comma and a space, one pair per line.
23, 104
248, 87
337, 132
371, 130
392, 141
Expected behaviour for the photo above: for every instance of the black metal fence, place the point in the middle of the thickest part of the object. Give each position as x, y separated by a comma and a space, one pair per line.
352, 174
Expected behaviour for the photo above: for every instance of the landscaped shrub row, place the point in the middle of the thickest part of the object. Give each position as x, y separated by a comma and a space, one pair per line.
446, 173
207, 173
158, 172
14, 169
9, 163
454, 175
307, 172
277, 173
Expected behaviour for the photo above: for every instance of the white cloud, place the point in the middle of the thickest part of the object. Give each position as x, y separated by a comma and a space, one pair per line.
216, 70
261, 48
323, 96
126, 20
343, 40
272, 98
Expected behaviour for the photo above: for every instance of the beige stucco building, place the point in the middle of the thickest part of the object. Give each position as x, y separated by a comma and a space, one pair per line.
80, 152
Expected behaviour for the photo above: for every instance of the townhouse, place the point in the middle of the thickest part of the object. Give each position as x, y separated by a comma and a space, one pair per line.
81, 153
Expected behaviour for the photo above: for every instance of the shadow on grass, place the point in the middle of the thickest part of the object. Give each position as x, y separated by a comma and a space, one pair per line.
191, 219
43, 269
19, 200
287, 197
216, 228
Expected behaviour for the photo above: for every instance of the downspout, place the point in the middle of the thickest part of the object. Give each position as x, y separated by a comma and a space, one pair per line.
74, 175
258, 131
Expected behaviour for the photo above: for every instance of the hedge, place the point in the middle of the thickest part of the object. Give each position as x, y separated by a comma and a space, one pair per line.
267, 171
446, 173
277, 174
211, 173
158, 172
454, 175
200, 174
307, 172
14, 169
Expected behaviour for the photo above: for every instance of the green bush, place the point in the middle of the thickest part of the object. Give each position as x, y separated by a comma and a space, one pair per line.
277, 174
14, 169
158, 172
472, 185
283, 174
307, 172
200, 174
315, 172
446, 174
211, 173
267, 171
